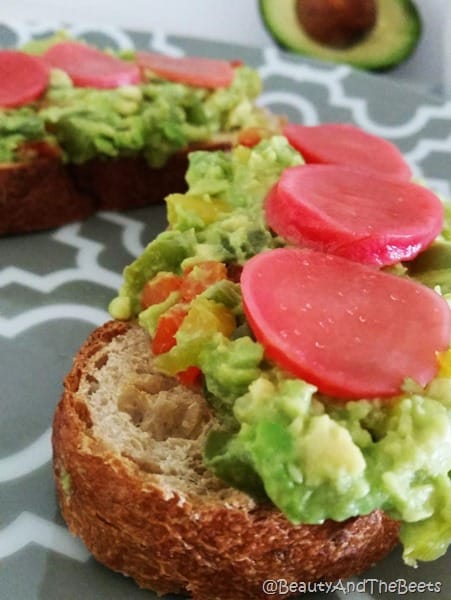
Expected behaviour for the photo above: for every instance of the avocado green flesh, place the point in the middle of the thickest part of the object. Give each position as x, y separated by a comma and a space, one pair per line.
393, 38
17, 128
313, 457
433, 266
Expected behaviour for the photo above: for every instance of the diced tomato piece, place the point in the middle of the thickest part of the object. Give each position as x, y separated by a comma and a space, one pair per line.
38, 149
189, 70
363, 217
250, 136
200, 276
167, 326
351, 330
189, 376
158, 289
345, 144
90, 67
23, 77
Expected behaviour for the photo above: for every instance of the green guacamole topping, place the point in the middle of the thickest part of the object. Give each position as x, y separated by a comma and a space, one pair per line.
17, 128
277, 437
154, 119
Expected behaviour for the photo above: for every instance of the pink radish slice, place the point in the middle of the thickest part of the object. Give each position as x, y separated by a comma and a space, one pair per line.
344, 144
89, 67
350, 213
350, 330
24, 78
189, 70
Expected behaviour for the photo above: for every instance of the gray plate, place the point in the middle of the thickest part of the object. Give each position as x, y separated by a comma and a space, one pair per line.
55, 286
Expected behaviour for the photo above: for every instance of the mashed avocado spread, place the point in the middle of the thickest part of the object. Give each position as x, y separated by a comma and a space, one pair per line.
153, 119
17, 128
278, 437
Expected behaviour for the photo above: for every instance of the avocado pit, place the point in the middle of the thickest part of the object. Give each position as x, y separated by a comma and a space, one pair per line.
337, 23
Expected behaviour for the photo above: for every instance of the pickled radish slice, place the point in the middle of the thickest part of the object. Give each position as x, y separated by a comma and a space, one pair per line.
345, 144
363, 217
90, 67
24, 78
352, 331
189, 70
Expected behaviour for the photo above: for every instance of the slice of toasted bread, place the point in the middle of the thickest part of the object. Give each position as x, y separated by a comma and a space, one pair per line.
129, 182
127, 445
39, 194
44, 192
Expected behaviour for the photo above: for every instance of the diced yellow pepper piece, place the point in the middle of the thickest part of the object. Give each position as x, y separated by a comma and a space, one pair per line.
444, 360
194, 211
205, 318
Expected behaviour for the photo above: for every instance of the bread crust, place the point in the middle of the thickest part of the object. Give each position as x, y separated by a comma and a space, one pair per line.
39, 194
44, 192
206, 548
129, 182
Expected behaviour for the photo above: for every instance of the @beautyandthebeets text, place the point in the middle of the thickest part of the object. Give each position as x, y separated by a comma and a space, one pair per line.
397, 587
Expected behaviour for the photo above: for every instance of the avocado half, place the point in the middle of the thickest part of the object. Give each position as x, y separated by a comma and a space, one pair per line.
393, 38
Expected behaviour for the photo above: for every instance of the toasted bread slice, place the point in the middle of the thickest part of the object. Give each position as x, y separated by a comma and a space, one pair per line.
39, 194
127, 445
129, 182
44, 192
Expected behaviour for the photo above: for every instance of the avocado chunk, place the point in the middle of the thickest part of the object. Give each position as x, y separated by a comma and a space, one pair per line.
386, 40
433, 266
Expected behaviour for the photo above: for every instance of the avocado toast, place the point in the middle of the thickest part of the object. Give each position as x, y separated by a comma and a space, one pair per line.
84, 141
324, 457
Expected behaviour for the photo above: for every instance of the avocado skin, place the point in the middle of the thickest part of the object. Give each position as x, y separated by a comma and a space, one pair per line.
392, 49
